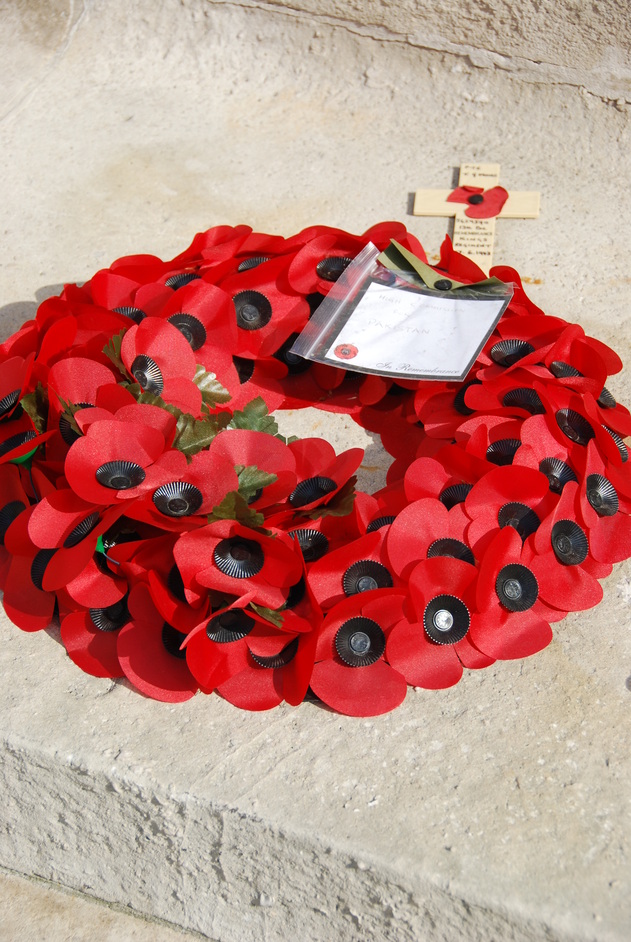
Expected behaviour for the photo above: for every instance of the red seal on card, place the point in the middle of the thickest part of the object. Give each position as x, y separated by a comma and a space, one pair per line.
346, 351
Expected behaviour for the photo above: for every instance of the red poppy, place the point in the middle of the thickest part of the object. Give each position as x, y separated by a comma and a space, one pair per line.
91, 638
431, 645
321, 473
203, 313
70, 526
482, 204
177, 493
514, 497
562, 563
357, 567
111, 459
510, 619
266, 309
150, 652
605, 508
221, 648
352, 674
161, 360
127, 296
425, 529
229, 557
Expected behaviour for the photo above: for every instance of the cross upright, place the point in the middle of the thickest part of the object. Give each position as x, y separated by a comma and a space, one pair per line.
475, 205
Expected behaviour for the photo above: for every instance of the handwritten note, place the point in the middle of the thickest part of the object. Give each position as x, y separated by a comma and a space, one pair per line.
397, 332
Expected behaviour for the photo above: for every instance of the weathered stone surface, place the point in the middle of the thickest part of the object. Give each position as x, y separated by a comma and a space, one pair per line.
495, 810
32, 910
571, 43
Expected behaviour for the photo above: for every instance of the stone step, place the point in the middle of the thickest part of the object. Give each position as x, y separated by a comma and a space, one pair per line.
32, 910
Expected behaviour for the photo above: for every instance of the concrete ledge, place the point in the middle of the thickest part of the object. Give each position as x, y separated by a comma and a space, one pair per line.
495, 810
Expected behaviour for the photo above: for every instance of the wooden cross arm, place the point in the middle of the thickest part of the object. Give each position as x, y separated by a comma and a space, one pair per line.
434, 203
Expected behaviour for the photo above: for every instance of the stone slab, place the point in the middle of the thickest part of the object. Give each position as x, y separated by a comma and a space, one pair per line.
32, 910
495, 810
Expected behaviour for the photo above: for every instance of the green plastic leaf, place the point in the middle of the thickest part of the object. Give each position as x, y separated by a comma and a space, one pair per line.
112, 351
255, 417
193, 435
213, 393
251, 480
35, 404
235, 507
340, 505
273, 615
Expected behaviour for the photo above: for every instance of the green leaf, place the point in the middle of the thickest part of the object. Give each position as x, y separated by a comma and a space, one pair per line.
235, 507
251, 480
255, 416
340, 504
273, 615
193, 435
213, 393
35, 404
112, 350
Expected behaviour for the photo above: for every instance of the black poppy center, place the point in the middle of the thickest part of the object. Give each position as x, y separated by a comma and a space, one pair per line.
519, 516
574, 426
502, 451
455, 549
81, 530
172, 641
238, 558
253, 310
516, 587
475, 199
133, 313
569, 542
181, 279
191, 329
446, 619
65, 428
120, 475
8, 514
313, 543
524, 398
380, 522
177, 499
38, 566
557, 472
8, 402
364, 576
508, 352
330, 269
459, 403
147, 374
282, 659
360, 642
15, 441
244, 368
294, 363
248, 263
602, 495
311, 489
454, 494
229, 626
111, 618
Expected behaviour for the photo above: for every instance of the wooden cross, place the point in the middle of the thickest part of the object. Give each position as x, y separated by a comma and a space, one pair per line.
474, 237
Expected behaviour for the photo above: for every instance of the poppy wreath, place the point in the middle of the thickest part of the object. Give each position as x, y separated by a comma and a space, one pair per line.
151, 508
